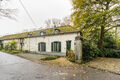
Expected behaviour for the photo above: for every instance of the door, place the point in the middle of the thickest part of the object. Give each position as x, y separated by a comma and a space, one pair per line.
68, 46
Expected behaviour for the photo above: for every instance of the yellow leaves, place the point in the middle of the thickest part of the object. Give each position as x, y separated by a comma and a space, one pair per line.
84, 72
74, 75
106, 64
63, 79
59, 71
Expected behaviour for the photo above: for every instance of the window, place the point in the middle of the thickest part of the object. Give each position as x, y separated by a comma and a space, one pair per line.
56, 46
29, 35
21, 40
57, 31
42, 33
42, 46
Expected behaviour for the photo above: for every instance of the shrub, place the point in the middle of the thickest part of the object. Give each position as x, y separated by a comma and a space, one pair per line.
111, 53
71, 55
15, 51
52, 57
7, 47
90, 51
109, 42
25, 51
13, 45
118, 44
2, 50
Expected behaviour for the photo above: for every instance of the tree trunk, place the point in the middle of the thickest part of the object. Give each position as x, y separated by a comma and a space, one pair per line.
101, 38
101, 43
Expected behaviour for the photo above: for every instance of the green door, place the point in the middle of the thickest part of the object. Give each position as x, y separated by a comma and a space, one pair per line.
68, 46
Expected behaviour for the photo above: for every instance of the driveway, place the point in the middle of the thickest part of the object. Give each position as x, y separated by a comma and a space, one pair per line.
16, 68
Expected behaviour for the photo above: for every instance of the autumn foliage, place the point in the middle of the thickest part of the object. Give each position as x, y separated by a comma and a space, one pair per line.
71, 55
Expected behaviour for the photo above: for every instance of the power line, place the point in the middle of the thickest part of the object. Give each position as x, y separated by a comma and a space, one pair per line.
27, 12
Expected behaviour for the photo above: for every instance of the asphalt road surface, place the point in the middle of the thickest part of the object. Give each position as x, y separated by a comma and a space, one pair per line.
16, 68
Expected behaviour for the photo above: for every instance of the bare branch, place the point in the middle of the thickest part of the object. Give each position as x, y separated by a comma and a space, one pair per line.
6, 12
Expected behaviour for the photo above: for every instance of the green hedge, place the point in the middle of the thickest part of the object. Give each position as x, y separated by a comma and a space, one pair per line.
52, 57
15, 51
90, 51
11, 51
111, 53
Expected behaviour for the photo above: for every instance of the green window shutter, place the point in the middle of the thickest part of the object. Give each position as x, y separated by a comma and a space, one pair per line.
38, 46
52, 46
45, 46
59, 46
55, 46
42, 46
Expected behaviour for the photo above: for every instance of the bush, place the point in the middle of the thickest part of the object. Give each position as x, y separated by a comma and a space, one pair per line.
25, 51
52, 57
111, 53
15, 51
3, 50
11, 51
71, 56
109, 42
7, 47
12, 44
90, 51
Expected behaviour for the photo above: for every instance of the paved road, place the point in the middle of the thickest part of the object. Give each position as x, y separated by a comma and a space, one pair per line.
16, 68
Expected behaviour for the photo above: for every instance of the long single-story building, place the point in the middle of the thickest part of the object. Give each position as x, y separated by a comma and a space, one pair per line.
53, 41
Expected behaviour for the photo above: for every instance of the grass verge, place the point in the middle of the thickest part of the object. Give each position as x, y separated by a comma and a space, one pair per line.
51, 57
11, 51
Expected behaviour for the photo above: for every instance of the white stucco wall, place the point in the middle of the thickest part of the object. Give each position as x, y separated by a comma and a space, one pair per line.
49, 39
5, 42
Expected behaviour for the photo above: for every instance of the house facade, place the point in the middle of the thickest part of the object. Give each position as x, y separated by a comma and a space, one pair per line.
55, 42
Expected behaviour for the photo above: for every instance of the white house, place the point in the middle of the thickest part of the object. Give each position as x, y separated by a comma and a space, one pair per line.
53, 41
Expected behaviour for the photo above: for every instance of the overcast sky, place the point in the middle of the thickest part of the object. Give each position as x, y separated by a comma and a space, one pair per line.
40, 10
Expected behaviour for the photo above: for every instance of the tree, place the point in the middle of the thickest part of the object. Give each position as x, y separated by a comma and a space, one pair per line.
95, 17
13, 45
56, 22
53, 23
48, 23
5, 12
66, 21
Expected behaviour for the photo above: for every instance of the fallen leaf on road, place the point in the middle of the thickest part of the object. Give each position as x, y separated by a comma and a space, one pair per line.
84, 72
74, 75
63, 78
59, 71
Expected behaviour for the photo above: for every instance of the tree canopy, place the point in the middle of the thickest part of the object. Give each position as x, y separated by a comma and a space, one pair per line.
95, 17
